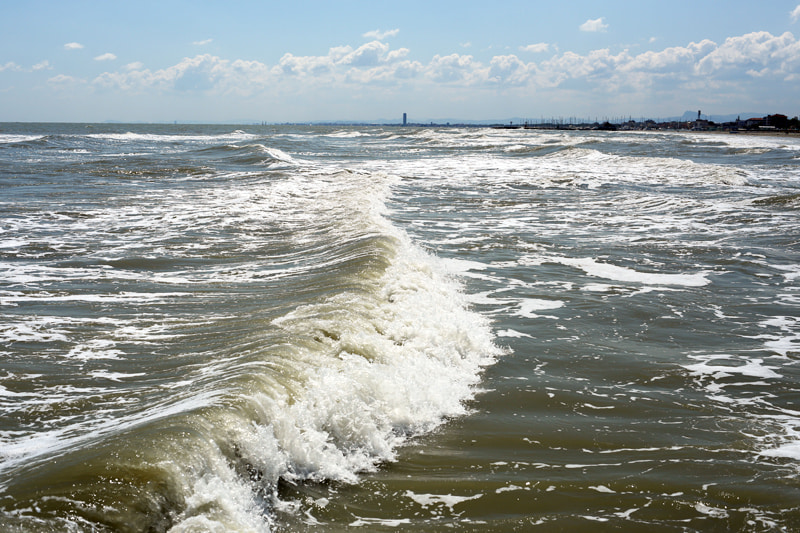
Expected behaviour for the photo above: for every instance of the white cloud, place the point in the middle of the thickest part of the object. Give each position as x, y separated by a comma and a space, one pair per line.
13, 67
535, 48
454, 68
203, 73
367, 55
753, 52
744, 63
404, 70
509, 70
795, 14
380, 35
62, 81
10, 66
108, 56
73, 46
203, 42
670, 60
595, 25
304, 66
341, 60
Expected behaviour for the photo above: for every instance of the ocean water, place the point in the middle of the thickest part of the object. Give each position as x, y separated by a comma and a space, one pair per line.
279, 328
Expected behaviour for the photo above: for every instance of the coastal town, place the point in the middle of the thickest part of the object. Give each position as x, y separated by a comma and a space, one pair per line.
776, 123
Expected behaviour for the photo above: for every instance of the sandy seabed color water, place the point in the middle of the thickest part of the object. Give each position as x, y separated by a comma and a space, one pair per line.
263, 328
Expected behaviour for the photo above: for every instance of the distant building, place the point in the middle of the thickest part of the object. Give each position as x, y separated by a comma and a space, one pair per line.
405, 119
753, 123
700, 124
777, 121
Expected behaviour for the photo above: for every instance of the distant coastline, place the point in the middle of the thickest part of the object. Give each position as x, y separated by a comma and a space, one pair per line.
748, 126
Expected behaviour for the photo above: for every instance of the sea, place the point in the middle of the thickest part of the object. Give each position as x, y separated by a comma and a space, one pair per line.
275, 328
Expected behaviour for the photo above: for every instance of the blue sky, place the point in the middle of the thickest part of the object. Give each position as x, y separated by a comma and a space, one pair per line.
356, 60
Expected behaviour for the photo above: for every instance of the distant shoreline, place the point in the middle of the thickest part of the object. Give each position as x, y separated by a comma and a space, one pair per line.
758, 133
496, 126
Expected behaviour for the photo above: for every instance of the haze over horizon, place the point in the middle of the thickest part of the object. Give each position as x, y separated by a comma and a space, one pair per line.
356, 61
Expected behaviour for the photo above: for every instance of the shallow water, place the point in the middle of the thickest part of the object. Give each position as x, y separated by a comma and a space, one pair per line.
324, 329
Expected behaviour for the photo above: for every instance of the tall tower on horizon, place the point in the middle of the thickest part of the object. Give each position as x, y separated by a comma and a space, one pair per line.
405, 119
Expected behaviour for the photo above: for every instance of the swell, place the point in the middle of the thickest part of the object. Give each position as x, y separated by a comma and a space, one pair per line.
364, 341
789, 201
248, 154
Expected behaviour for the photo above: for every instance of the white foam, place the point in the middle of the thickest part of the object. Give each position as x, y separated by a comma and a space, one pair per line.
164, 138
280, 155
41, 329
346, 134
13, 243
714, 512
8, 138
95, 349
597, 287
784, 345
379, 388
747, 367
598, 407
790, 450
384, 522
512, 333
114, 376
599, 269
792, 271
447, 500
528, 307
785, 341
461, 266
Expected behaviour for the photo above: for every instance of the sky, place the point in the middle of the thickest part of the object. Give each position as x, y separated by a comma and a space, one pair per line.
298, 60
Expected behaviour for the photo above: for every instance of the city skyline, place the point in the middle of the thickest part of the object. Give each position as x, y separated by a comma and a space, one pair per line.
314, 61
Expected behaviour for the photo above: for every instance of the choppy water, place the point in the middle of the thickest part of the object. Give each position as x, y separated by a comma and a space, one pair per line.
214, 328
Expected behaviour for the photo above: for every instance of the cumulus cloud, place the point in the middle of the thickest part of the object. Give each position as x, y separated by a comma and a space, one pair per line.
596, 25
368, 55
73, 46
535, 48
203, 42
676, 59
380, 35
42, 65
454, 68
509, 70
757, 51
795, 14
696, 66
203, 73
108, 56
343, 60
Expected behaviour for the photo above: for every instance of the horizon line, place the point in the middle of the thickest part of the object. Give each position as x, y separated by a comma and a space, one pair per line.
572, 120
